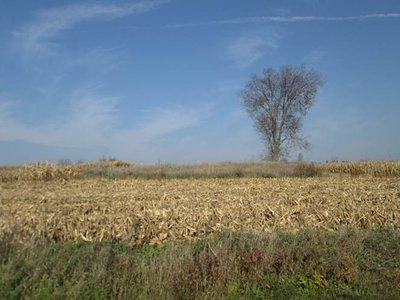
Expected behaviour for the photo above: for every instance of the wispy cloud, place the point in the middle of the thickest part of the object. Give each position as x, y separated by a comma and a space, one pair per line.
88, 118
284, 19
36, 37
246, 50
92, 123
157, 124
252, 46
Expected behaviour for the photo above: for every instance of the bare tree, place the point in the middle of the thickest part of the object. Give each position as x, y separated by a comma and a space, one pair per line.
277, 101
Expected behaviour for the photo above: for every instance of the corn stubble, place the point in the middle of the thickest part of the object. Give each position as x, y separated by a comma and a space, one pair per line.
373, 168
142, 211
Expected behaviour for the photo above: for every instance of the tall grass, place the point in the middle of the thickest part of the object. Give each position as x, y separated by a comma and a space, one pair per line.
308, 265
207, 170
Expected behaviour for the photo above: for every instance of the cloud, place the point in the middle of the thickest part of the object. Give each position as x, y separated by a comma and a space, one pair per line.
284, 19
92, 123
87, 121
250, 47
157, 125
159, 122
36, 37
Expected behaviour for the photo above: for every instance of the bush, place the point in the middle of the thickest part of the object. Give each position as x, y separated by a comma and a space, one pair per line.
306, 170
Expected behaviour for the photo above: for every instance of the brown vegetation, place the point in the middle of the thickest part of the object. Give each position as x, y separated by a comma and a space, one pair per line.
373, 168
227, 230
121, 169
140, 211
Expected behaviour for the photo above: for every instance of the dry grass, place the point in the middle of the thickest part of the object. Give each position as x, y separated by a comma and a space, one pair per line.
139, 211
120, 169
206, 170
310, 264
373, 168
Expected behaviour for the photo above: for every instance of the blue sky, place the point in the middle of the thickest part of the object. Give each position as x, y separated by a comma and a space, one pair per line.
156, 81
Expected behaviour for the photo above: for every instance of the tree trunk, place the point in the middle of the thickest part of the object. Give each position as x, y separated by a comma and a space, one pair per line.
275, 154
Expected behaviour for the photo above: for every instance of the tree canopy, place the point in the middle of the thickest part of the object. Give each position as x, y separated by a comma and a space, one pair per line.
277, 101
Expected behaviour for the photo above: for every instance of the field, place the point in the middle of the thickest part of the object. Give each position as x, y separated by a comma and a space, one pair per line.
153, 211
135, 205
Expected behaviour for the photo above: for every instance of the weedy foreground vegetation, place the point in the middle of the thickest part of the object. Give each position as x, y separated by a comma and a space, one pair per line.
228, 230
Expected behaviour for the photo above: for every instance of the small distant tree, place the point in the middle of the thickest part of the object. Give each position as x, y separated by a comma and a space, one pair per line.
300, 157
64, 162
334, 159
277, 101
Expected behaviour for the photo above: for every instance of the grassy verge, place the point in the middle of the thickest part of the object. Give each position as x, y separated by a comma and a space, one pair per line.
307, 265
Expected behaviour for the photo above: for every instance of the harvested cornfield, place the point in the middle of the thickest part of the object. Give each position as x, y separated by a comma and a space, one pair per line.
120, 169
49, 171
373, 168
144, 211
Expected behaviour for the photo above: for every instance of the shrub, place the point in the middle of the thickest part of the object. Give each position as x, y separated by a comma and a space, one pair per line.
306, 170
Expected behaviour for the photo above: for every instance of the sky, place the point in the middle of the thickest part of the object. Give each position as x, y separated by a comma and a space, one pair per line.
160, 81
